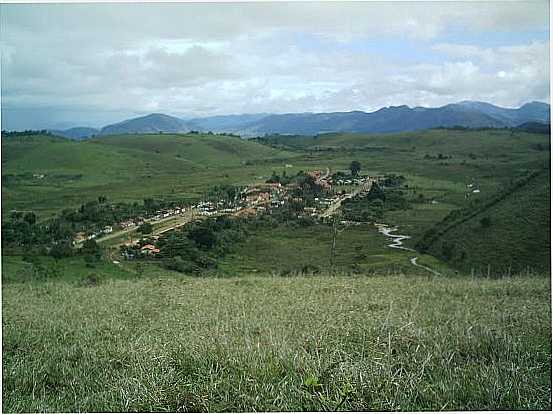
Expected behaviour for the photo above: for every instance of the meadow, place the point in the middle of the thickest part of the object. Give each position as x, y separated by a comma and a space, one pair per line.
168, 342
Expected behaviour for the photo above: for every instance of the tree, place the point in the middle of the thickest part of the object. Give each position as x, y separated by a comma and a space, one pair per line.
90, 247
203, 237
376, 193
30, 218
335, 231
486, 222
61, 250
355, 167
150, 204
145, 228
16, 215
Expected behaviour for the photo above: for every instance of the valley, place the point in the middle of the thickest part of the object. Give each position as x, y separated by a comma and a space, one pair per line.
276, 206
426, 176
240, 239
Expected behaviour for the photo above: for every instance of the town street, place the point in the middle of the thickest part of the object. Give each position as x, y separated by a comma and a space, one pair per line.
366, 186
180, 221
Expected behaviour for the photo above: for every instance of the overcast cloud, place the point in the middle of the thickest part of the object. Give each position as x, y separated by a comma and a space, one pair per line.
92, 64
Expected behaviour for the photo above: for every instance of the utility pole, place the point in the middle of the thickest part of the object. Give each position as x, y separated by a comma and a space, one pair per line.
335, 232
333, 246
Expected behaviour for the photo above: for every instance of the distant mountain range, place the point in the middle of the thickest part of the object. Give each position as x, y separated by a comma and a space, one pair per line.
469, 114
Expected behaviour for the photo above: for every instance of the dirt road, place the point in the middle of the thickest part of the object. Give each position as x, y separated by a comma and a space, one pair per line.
179, 221
397, 243
336, 205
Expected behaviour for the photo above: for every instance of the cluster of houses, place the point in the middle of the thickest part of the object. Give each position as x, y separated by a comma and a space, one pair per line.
128, 224
259, 198
324, 181
349, 181
82, 236
254, 199
472, 188
210, 208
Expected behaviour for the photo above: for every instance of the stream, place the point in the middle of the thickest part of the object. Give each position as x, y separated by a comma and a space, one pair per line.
397, 243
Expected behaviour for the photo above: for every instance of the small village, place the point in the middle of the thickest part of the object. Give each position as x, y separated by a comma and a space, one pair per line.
255, 199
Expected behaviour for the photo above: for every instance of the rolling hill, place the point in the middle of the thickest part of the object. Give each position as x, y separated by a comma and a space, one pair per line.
147, 124
77, 133
47, 173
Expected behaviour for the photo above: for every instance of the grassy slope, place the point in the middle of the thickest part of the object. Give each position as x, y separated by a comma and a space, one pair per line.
156, 340
518, 237
125, 167
498, 153
176, 343
285, 250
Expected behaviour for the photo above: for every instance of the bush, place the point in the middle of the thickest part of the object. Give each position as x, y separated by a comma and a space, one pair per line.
485, 222
204, 238
145, 228
61, 250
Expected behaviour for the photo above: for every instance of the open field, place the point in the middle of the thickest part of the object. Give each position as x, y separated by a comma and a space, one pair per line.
285, 250
168, 342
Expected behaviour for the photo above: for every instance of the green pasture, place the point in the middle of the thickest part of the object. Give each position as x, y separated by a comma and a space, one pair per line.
113, 339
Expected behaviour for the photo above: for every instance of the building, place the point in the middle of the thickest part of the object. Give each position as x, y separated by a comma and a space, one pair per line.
79, 238
149, 249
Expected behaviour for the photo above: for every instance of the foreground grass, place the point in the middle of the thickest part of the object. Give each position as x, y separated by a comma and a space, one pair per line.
175, 343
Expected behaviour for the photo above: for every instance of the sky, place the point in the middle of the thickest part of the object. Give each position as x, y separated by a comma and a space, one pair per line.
64, 65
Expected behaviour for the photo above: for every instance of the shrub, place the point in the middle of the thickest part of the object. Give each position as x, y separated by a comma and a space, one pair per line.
61, 250
145, 228
485, 222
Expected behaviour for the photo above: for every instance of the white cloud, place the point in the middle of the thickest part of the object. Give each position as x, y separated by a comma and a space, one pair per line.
203, 59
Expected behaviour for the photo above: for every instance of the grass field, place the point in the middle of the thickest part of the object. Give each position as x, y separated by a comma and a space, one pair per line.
291, 250
168, 342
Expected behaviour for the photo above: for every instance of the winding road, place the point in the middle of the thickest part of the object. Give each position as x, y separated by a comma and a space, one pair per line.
397, 243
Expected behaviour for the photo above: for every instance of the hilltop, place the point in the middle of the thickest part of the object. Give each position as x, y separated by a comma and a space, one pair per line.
147, 124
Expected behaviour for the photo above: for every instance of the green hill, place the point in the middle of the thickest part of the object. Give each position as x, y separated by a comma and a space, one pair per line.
509, 232
46, 173
200, 149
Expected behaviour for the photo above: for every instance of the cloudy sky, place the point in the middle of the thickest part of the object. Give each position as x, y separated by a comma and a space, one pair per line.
92, 64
